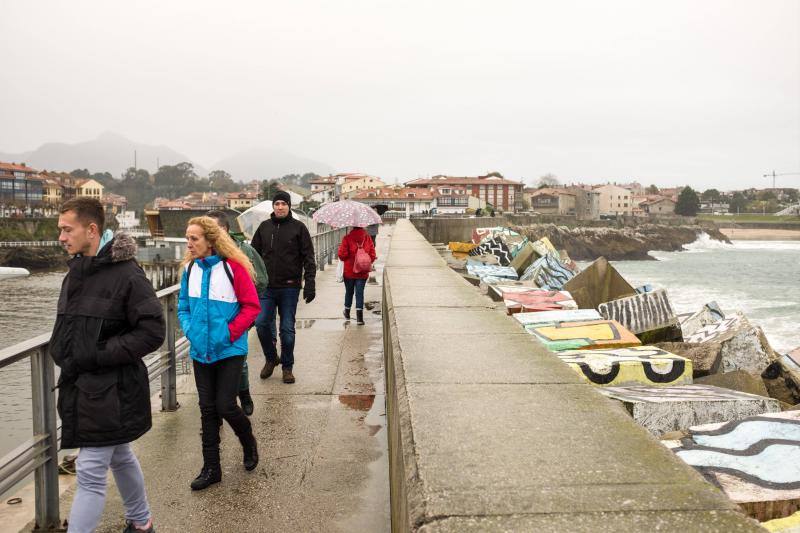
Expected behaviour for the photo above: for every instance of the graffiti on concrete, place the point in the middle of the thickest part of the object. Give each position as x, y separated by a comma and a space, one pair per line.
663, 409
548, 272
715, 331
461, 247
542, 318
496, 247
482, 271
743, 346
638, 365
584, 335
755, 461
645, 312
598, 283
538, 300
544, 247
708, 314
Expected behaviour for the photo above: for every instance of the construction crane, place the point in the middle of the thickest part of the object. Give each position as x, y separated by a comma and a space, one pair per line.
775, 175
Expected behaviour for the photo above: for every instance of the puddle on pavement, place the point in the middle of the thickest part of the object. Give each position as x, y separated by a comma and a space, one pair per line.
359, 402
324, 324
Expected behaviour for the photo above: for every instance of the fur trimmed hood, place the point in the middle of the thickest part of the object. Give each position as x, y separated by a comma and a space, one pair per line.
123, 248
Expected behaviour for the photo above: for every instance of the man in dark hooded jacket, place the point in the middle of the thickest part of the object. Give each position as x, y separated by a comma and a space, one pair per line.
108, 319
288, 252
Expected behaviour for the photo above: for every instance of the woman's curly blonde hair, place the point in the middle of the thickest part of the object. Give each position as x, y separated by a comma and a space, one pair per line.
221, 243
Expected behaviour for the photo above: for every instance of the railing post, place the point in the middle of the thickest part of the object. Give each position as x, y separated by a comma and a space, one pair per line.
44, 423
169, 379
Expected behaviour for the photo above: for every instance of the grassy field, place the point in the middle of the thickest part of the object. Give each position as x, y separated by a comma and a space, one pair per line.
751, 217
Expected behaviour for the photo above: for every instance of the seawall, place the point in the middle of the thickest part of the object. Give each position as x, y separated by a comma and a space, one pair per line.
489, 431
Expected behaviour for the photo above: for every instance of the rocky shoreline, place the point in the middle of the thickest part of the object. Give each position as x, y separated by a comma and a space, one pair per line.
617, 244
44, 258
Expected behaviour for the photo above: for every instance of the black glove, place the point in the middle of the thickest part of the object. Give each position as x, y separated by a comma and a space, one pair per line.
309, 295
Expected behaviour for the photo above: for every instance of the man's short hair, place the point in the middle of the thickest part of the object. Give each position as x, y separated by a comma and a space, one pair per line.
87, 210
221, 217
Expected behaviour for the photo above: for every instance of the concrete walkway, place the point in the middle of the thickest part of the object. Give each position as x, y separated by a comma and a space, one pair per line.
322, 441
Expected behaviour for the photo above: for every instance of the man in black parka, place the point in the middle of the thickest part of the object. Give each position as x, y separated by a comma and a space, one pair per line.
108, 319
288, 252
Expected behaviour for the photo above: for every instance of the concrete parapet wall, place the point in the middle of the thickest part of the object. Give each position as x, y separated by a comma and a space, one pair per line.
489, 431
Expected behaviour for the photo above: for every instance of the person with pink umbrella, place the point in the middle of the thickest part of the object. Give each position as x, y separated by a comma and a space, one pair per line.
357, 253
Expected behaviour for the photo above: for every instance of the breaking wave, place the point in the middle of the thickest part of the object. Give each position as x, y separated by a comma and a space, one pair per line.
704, 243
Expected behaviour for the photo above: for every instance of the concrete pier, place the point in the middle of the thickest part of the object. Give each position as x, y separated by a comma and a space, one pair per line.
488, 431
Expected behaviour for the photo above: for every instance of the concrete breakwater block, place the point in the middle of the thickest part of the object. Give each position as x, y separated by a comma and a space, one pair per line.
743, 346
706, 357
782, 378
638, 365
755, 461
663, 409
538, 300
584, 335
508, 286
544, 318
548, 272
496, 271
598, 283
707, 315
649, 315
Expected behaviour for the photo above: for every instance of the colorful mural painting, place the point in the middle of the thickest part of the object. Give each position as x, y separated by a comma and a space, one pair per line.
496, 247
461, 247
544, 247
584, 335
548, 272
755, 461
638, 365
538, 300
647, 313
542, 318
708, 314
598, 283
743, 346
663, 409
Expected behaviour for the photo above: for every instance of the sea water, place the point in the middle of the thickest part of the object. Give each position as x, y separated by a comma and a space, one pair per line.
759, 278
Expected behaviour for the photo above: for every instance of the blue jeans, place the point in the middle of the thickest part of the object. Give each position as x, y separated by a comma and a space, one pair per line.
354, 285
284, 303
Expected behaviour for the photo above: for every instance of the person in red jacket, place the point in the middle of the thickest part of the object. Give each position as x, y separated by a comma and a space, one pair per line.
354, 282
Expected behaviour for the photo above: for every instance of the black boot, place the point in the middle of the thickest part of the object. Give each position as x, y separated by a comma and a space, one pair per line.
347, 313
250, 449
247, 401
209, 475
360, 317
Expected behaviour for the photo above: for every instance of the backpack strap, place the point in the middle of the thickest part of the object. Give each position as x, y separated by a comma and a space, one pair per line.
189, 270
227, 268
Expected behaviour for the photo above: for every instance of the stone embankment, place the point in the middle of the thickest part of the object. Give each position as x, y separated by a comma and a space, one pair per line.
617, 244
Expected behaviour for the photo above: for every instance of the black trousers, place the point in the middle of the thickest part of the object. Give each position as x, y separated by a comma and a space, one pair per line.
217, 389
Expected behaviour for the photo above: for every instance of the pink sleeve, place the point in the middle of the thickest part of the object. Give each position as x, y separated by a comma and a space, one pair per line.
247, 297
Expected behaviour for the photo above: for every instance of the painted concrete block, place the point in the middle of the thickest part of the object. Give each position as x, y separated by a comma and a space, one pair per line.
538, 300
663, 409
598, 283
638, 365
544, 247
782, 379
743, 346
584, 335
542, 318
478, 234
496, 271
649, 315
548, 272
524, 258
461, 247
497, 291
755, 461
494, 246
707, 315
706, 357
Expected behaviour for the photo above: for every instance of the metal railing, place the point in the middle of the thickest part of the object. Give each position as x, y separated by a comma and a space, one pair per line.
326, 245
39, 454
28, 244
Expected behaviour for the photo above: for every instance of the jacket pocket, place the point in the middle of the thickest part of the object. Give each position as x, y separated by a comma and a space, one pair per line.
98, 407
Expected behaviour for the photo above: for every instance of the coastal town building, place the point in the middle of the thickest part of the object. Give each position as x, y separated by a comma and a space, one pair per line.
114, 204
195, 200
407, 200
658, 206
551, 201
89, 188
500, 193
456, 200
21, 189
360, 183
615, 200
52, 192
241, 201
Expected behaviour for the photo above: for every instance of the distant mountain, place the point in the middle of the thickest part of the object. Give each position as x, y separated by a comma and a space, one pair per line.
263, 163
110, 152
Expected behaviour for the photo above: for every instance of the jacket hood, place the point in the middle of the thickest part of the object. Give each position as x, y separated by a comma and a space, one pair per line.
280, 220
123, 248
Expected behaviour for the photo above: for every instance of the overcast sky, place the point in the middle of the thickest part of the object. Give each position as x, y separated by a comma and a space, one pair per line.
671, 92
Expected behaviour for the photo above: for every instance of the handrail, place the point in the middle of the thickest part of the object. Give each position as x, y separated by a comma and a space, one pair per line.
28, 244
326, 245
39, 455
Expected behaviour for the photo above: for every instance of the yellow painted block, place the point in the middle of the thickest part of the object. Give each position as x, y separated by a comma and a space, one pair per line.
790, 524
461, 247
585, 335
635, 365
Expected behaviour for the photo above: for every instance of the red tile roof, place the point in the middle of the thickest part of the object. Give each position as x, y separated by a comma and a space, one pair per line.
14, 167
391, 193
453, 180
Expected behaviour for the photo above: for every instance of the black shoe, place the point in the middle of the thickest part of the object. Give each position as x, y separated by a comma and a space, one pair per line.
250, 449
247, 401
360, 317
269, 367
208, 476
347, 313
130, 528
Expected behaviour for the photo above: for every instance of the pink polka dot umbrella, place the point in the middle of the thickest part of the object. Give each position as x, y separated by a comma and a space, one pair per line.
346, 213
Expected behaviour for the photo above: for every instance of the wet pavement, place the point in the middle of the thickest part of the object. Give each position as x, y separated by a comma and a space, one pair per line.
322, 441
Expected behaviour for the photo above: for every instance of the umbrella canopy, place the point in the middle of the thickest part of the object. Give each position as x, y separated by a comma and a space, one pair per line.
347, 213
253, 217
